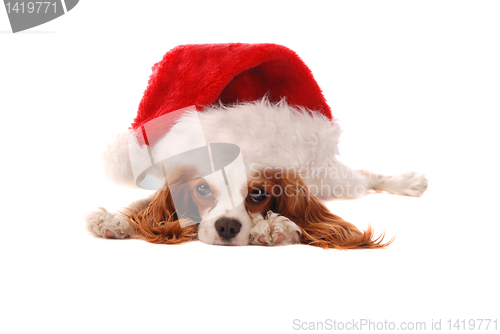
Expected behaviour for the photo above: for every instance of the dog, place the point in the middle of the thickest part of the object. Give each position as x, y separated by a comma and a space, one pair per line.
290, 164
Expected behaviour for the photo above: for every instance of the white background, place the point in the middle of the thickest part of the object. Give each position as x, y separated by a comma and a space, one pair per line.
416, 87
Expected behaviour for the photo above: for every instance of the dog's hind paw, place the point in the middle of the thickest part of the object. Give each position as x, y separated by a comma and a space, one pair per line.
108, 225
274, 230
407, 184
410, 184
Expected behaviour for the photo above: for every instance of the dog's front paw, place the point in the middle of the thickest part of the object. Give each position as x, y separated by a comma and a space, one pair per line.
274, 230
108, 225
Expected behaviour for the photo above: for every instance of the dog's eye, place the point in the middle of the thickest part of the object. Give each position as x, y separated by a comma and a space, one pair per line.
258, 195
203, 190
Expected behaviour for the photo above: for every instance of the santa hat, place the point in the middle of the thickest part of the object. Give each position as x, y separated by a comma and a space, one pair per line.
203, 74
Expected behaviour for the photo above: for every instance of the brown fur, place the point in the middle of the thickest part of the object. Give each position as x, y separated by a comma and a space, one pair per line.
319, 226
158, 223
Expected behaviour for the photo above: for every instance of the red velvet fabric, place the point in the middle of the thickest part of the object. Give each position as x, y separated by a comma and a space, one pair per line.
203, 74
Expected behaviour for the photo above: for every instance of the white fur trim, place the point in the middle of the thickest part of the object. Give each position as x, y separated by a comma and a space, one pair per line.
269, 135
274, 135
116, 160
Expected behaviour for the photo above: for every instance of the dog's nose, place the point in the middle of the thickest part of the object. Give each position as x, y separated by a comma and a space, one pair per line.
227, 228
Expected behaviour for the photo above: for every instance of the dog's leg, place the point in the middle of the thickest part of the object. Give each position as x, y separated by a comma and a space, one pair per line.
340, 181
407, 184
274, 230
114, 225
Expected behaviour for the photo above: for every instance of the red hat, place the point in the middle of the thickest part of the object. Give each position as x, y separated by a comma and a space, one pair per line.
203, 74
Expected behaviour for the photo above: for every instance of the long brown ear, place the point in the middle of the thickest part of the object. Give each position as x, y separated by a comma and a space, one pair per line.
319, 226
159, 222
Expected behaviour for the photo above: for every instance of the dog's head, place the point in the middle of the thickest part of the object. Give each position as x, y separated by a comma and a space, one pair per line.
196, 207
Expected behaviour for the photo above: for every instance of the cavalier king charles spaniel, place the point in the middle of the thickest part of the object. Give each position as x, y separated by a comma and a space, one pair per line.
290, 163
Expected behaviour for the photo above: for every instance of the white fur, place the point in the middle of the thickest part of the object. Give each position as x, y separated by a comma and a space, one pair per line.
224, 208
274, 135
116, 160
